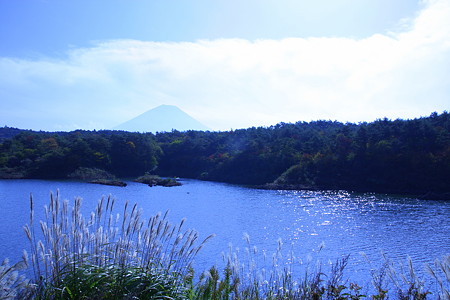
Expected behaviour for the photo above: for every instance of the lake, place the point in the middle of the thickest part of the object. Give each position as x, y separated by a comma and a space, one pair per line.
345, 223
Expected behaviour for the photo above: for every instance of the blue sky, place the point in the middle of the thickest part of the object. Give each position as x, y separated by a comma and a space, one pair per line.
230, 64
49, 27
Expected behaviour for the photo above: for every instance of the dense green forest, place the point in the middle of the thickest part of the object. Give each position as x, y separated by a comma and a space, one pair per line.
57, 155
395, 156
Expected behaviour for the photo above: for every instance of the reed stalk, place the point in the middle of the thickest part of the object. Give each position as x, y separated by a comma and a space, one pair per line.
72, 245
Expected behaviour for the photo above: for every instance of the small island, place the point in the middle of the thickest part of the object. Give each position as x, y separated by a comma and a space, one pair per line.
154, 180
96, 176
109, 182
99, 176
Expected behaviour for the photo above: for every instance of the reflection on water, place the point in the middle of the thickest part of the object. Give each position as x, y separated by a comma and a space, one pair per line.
347, 223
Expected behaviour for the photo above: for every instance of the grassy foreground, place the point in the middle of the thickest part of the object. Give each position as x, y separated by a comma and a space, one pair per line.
106, 256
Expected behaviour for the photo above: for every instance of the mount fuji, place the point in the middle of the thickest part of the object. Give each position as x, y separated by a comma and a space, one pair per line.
162, 118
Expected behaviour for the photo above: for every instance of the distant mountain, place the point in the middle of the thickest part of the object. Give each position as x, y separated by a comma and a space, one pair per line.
162, 118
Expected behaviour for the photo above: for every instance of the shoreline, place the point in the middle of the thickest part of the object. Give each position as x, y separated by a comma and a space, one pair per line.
421, 195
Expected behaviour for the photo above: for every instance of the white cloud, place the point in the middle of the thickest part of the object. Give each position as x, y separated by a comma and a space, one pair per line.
233, 83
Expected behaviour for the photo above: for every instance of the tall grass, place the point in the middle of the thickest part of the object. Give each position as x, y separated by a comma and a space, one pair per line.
13, 285
441, 275
254, 275
105, 253
247, 276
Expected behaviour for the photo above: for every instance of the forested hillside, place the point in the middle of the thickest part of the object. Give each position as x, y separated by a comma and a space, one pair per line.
391, 156
57, 155
401, 156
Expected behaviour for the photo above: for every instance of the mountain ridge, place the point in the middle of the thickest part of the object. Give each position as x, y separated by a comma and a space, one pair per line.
163, 118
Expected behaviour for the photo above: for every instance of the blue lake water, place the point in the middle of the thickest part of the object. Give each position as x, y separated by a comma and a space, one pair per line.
347, 223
